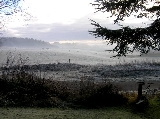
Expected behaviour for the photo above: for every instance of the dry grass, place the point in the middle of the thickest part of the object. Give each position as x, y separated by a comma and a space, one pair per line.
19, 87
55, 113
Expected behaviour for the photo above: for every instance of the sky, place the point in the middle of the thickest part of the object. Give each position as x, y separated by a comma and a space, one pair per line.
57, 20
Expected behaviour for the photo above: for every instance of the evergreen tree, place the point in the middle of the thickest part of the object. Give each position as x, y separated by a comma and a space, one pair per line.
128, 39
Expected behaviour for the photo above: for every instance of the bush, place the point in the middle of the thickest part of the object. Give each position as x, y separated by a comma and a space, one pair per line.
21, 87
24, 93
38, 92
102, 96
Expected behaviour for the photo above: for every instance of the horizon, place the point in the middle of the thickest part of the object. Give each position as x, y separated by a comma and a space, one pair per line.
54, 20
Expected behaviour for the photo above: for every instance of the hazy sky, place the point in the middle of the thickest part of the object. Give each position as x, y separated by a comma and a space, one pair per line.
57, 20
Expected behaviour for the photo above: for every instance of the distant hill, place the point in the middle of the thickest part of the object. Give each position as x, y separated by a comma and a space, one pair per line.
23, 43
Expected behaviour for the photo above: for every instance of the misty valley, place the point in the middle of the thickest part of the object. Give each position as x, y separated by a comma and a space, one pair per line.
72, 61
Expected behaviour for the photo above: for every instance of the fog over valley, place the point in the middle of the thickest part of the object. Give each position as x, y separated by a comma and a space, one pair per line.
90, 52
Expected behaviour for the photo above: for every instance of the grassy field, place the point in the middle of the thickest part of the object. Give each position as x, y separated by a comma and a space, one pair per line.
83, 99
55, 113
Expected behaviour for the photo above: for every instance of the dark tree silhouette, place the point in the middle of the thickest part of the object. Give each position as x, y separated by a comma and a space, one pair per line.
9, 7
129, 39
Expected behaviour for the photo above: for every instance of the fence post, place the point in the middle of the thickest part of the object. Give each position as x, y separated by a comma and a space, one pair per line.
140, 84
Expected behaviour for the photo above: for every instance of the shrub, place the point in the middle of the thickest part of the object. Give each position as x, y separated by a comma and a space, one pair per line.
38, 92
101, 96
19, 86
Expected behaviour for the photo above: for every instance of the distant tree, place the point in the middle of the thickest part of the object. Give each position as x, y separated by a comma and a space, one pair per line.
127, 39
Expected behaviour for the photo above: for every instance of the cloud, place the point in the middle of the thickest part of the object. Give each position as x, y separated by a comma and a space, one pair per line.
60, 31
55, 31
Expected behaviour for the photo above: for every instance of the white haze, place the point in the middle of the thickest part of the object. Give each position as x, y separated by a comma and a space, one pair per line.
80, 52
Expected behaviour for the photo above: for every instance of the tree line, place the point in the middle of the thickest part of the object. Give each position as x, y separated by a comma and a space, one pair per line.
22, 42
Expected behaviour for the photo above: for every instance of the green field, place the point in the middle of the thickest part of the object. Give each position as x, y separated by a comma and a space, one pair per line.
55, 113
